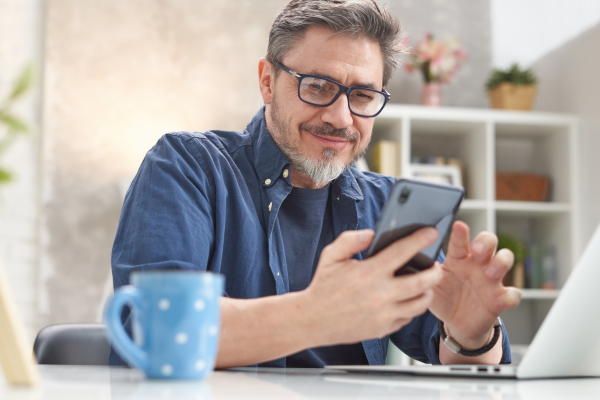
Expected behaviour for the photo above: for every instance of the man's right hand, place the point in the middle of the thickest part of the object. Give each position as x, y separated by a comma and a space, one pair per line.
348, 301
355, 300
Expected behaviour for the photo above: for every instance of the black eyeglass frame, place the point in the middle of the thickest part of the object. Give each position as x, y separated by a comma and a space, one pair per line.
343, 89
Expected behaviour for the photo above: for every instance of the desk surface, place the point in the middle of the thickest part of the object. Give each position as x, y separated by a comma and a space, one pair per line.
91, 383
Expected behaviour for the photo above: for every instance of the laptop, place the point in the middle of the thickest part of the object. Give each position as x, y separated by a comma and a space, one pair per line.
566, 345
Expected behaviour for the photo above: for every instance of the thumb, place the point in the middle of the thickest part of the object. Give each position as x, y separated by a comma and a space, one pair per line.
346, 245
509, 299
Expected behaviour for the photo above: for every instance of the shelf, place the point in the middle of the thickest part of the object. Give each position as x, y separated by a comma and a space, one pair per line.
487, 142
535, 294
398, 111
532, 206
473, 205
529, 207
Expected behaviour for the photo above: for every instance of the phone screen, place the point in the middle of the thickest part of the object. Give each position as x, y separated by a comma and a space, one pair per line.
413, 205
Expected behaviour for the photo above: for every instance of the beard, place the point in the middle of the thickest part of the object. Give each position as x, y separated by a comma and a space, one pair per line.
321, 169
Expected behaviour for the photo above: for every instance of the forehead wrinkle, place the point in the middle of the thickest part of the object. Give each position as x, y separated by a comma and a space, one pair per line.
355, 83
339, 57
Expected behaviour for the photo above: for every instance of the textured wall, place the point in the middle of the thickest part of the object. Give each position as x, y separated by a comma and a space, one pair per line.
119, 74
20, 44
569, 82
470, 22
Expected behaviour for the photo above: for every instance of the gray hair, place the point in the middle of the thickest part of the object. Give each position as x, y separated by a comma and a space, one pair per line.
366, 18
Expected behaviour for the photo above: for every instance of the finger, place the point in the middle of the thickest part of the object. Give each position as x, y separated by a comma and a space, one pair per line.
509, 299
483, 247
414, 285
458, 245
415, 306
401, 251
346, 245
397, 325
501, 263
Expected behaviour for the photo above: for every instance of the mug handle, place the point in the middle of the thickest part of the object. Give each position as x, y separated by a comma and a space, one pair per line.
131, 353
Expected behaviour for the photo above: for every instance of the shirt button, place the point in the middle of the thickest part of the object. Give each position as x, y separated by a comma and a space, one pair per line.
268, 182
278, 274
285, 173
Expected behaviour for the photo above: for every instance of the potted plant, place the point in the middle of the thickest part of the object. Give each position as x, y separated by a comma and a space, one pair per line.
438, 61
516, 276
512, 89
13, 125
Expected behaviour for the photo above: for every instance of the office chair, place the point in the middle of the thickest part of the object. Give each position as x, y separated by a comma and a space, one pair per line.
72, 344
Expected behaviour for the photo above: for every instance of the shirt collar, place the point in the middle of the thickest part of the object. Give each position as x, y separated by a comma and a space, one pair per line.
347, 184
270, 162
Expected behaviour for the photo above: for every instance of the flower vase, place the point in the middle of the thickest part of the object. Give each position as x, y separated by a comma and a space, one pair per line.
432, 94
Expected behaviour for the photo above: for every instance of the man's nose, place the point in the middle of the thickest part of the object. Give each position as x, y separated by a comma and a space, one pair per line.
338, 114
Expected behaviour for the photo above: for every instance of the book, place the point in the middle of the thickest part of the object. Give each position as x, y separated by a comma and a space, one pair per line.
541, 267
384, 158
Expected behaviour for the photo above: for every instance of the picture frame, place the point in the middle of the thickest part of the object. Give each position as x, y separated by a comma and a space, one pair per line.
445, 174
18, 363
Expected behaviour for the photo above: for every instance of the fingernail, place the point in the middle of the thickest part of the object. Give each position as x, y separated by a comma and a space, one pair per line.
477, 247
491, 272
431, 233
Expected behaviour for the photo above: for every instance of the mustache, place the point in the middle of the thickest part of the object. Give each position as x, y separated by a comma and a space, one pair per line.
328, 130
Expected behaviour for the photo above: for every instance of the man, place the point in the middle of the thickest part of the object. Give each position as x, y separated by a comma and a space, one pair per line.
279, 211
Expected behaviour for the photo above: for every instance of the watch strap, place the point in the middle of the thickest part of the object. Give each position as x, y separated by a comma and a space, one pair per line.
455, 347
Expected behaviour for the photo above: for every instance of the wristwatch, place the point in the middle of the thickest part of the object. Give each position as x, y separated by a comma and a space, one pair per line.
458, 349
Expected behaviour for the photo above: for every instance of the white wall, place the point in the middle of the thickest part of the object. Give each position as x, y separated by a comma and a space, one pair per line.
20, 44
570, 82
560, 40
525, 30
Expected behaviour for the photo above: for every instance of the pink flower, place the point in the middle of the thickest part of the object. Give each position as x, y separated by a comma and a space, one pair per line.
442, 57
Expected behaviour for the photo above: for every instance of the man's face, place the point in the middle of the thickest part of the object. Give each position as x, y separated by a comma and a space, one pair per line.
321, 142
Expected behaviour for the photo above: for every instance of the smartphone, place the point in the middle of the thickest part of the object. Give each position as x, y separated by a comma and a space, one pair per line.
413, 205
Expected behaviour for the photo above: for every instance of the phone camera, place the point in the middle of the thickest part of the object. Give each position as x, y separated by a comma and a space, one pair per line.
404, 195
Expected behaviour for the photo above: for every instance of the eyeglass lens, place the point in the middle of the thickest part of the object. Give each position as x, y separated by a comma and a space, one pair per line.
321, 92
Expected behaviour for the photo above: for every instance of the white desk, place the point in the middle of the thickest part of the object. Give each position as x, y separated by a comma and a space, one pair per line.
91, 383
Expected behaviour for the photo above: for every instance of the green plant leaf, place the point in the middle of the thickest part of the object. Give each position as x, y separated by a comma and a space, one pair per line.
14, 123
23, 83
7, 141
5, 176
514, 75
515, 245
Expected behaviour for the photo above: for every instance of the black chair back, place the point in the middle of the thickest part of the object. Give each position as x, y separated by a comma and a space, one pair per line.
72, 344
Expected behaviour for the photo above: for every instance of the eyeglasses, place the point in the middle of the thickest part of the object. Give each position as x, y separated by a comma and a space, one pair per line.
323, 92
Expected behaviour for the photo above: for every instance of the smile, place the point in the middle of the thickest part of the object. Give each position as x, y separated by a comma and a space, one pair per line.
337, 143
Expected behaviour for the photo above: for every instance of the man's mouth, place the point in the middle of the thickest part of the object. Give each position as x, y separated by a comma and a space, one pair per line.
335, 142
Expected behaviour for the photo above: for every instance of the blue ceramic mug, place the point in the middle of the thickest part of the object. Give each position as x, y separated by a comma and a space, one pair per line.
175, 323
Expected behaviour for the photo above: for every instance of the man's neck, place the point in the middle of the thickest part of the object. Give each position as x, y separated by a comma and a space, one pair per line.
303, 181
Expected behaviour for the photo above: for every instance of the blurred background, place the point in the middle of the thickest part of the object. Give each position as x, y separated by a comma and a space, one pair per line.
111, 77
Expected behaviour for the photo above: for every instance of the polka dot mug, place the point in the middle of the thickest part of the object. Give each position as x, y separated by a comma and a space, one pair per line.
175, 323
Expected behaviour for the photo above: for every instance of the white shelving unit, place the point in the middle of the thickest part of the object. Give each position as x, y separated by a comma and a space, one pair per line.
490, 141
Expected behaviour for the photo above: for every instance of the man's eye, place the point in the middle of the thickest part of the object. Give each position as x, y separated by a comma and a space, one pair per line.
316, 86
364, 96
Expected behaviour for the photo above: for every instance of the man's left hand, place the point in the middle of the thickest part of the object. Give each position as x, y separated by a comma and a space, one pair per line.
471, 295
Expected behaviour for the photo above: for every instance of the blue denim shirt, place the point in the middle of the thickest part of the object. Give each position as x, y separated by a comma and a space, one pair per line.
209, 201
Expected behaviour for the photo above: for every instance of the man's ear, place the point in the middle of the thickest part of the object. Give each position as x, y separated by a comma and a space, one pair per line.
266, 80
